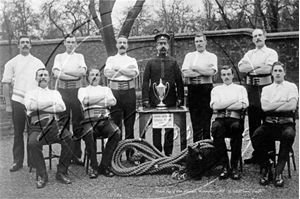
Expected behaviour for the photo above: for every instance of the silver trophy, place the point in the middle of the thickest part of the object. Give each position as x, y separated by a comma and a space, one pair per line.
161, 93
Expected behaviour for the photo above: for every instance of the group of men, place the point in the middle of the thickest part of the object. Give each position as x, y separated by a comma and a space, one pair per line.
99, 111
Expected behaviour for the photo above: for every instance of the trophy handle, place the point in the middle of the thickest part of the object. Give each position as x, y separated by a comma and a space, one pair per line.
154, 90
168, 89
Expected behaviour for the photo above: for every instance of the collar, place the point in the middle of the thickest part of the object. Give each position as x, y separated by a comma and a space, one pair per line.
228, 85
204, 52
118, 54
281, 84
263, 49
43, 89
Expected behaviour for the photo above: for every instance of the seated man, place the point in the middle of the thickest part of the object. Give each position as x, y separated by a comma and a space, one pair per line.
228, 99
95, 100
42, 105
279, 101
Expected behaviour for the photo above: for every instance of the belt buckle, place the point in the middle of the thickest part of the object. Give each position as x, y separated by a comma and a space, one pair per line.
274, 119
227, 113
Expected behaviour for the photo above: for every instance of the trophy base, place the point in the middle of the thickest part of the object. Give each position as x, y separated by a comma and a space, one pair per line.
161, 107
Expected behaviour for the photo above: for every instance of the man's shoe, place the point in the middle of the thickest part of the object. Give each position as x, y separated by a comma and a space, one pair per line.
267, 177
251, 160
235, 174
61, 177
279, 181
15, 167
42, 181
225, 173
106, 171
93, 173
77, 161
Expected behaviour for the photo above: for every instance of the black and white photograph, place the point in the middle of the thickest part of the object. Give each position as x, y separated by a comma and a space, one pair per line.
153, 99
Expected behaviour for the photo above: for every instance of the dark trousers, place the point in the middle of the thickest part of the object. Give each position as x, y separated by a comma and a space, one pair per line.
266, 135
228, 128
104, 129
255, 113
71, 101
125, 109
169, 138
19, 121
200, 111
39, 137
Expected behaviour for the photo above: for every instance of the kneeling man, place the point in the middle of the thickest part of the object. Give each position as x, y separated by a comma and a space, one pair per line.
229, 100
42, 105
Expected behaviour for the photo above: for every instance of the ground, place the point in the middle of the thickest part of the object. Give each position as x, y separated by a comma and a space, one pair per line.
21, 184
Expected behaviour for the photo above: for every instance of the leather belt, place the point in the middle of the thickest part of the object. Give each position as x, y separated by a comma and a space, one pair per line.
39, 117
69, 84
200, 80
279, 120
229, 113
121, 85
96, 113
259, 81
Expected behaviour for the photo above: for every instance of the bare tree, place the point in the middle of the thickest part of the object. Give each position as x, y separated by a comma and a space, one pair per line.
107, 31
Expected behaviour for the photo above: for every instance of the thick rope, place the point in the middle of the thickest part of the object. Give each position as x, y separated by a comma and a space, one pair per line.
155, 161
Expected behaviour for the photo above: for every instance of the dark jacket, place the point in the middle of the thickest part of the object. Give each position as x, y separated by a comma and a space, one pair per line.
166, 68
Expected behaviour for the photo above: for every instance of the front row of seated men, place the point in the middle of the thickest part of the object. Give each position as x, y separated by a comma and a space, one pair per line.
279, 100
43, 105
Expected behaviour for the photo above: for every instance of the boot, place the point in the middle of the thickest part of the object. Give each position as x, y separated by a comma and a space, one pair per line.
267, 175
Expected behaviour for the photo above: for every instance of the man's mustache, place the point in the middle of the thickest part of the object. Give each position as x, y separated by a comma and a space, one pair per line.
25, 47
122, 47
258, 40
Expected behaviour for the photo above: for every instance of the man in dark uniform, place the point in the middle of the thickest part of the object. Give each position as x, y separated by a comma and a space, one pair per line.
166, 68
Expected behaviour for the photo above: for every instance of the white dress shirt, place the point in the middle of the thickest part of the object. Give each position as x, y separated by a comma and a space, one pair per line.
121, 61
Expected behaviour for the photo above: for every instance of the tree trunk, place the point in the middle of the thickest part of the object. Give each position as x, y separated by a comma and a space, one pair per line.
131, 16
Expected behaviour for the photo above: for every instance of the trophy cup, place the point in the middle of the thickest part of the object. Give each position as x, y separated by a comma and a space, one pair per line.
162, 92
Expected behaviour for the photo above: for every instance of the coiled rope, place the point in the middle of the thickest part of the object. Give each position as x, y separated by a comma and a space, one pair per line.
155, 160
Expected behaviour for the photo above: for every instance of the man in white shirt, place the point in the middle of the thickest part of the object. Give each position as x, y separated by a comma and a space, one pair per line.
199, 67
279, 101
96, 100
42, 105
68, 68
19, 72
121, 71
257, 64
229, 100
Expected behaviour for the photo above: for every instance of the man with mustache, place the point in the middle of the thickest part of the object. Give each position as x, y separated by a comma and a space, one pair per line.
96, 100
199, 67
279, 101
19, 72
166, 68
229, 100
68, 68
257, 64
42, 105
121, 71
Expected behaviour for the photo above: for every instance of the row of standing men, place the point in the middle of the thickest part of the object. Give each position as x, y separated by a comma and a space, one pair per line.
198, 67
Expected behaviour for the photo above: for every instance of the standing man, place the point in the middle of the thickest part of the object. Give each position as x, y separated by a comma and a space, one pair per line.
199, 67
19, 72
68, 68
121, 71
257, 64
42, 105
96, 100
165, 68
229, 100
279, 101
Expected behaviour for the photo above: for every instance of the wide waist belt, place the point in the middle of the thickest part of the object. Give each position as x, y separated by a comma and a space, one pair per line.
200, 80
229, 113
121, 85
69, 84
39, 117
96, 113
259, 81
279, 120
